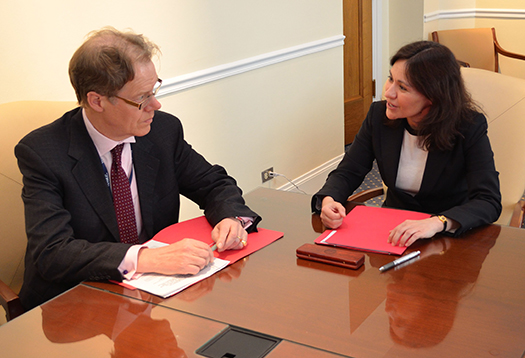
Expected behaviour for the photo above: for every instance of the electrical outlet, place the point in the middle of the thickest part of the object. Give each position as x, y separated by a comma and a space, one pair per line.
265, 175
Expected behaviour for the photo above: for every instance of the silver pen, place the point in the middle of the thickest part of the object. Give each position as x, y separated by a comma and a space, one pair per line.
399, 261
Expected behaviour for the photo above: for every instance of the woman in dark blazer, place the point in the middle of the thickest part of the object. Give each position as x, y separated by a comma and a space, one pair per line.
431, 146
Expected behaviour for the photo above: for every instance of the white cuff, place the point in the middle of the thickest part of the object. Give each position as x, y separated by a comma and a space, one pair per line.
128, 266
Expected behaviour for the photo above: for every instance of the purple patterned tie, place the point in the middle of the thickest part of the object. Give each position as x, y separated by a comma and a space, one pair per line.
122, 200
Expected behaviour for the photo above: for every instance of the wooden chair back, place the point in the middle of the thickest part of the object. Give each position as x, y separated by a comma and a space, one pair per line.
479, 47
473, 46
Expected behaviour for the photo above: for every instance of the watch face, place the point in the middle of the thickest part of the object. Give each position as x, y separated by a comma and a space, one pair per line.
444, 221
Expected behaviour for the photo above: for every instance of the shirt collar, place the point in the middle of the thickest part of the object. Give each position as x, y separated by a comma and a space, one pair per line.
102, 143
409, 129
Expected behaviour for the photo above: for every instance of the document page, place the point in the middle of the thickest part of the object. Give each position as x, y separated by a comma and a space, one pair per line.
198, 229
165, 286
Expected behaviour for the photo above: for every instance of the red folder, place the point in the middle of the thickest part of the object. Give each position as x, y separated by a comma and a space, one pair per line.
200, 229
366, 228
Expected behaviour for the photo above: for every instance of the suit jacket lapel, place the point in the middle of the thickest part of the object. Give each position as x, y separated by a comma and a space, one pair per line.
436, 162
89, 174
146, 166
391, 139
391, 145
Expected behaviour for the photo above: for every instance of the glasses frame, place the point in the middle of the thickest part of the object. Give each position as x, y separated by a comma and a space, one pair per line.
140, 105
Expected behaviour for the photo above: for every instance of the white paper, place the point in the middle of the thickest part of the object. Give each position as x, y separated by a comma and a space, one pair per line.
165, 286
153, 244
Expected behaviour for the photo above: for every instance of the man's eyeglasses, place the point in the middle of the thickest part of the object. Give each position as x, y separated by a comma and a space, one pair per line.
145, 102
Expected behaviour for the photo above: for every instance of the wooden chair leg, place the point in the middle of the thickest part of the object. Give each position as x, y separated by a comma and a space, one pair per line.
517, 216
10, 301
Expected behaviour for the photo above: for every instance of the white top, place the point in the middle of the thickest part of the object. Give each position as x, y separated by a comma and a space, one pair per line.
128, 266
412, 164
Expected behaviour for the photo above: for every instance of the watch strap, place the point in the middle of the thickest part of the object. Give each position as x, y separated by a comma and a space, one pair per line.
444, 220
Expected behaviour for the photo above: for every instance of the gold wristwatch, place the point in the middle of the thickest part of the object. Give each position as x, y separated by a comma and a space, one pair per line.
443, 219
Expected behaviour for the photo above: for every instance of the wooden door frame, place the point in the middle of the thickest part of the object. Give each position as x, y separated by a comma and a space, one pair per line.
377, 47
358, 58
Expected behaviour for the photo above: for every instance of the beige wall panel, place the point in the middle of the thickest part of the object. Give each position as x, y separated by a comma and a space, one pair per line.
40, 37
405, 25
456, 4
288, 116
499, 4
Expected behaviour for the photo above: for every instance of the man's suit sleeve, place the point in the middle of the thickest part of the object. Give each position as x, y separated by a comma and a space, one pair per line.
168, 166
208, 185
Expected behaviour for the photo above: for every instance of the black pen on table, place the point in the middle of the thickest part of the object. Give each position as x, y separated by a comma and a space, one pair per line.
399, 261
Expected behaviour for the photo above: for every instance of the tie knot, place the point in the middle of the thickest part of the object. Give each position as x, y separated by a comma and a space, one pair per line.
117, 153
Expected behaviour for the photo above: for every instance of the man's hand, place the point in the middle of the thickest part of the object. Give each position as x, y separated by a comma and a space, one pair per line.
332, 213
187, 256
229, 235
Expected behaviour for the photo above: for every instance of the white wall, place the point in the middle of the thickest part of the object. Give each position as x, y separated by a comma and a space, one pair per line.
287, 115
402, 23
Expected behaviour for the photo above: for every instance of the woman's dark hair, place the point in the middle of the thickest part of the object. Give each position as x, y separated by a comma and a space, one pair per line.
432, 70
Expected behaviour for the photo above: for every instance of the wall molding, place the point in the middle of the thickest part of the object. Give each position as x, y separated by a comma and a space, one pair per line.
314, 178
475, 13
184, 82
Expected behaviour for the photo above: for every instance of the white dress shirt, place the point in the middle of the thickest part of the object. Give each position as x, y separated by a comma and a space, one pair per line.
104, 145
412, 164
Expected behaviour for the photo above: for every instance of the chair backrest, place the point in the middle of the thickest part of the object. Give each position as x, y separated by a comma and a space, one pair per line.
474, 46
16, 120
503, 100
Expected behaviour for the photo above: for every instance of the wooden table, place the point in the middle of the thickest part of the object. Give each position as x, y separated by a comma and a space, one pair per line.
465, 297
88, 322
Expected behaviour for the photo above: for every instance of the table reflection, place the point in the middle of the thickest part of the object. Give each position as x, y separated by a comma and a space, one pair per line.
126, 321
422, 295
422, 299
204, 287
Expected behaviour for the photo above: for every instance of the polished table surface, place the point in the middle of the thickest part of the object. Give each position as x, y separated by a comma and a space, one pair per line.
464, 297
88, 322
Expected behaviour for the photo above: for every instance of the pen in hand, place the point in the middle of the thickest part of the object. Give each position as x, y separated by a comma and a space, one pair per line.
399, 261
213, 247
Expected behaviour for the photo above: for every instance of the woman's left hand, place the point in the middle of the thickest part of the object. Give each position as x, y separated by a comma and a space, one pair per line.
406, 233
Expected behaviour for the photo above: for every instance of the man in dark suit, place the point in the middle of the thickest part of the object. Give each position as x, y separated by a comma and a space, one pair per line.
77, 230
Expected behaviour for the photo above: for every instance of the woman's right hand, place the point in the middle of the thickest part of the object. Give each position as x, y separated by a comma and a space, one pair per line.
332, 213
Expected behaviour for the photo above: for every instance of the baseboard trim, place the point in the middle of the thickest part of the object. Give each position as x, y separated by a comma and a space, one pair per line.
317, 175
184, 82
